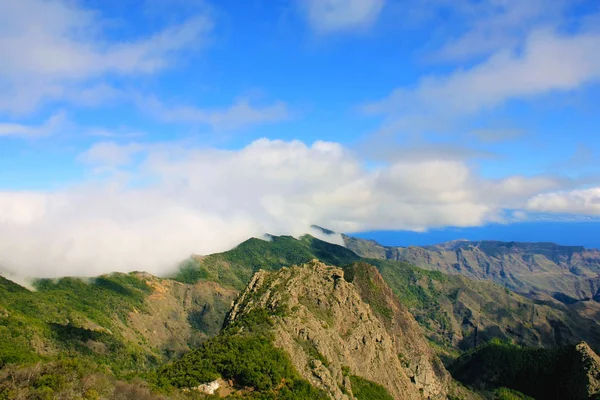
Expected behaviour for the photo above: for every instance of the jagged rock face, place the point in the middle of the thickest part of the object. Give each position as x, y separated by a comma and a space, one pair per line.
330, 332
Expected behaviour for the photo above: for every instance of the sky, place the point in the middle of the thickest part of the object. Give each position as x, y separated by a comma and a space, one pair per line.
134, 133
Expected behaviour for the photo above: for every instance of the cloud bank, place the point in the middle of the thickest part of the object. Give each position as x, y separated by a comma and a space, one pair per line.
157, 204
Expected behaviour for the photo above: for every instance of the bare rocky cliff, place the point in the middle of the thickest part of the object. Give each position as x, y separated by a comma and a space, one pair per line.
330, 332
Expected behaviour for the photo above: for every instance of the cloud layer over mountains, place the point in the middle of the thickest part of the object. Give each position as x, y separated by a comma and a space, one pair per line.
149, 206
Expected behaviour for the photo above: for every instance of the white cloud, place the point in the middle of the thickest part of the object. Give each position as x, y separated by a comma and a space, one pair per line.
179, 201
21, 207
241, 114
56, 49
582, 201
326, 16
49, 127
549, 62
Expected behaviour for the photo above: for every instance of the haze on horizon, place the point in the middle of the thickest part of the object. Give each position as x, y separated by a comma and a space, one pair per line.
133, 134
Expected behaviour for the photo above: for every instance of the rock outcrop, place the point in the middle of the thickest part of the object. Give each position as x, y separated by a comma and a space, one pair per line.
331, 333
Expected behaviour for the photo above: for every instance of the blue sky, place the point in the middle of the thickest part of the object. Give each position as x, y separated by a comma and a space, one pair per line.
215, 121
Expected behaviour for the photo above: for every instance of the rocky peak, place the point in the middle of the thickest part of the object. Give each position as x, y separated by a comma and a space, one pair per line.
331, 333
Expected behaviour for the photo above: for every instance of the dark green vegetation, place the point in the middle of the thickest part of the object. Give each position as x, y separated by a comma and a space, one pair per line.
371, 291
367, 390
235, 267
243, 352
568, 372
419, 290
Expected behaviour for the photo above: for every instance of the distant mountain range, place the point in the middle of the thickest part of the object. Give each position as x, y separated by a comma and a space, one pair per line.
568, 273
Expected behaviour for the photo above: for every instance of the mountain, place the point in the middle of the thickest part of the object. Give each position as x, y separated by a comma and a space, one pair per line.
569, 372
341, 344
120, 325
456, 312
94, 338
568, 273
138, 319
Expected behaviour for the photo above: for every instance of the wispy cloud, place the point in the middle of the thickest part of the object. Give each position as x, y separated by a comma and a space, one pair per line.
239, 115
549, 62
49, 127
327, 16
583, 158
56, 49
